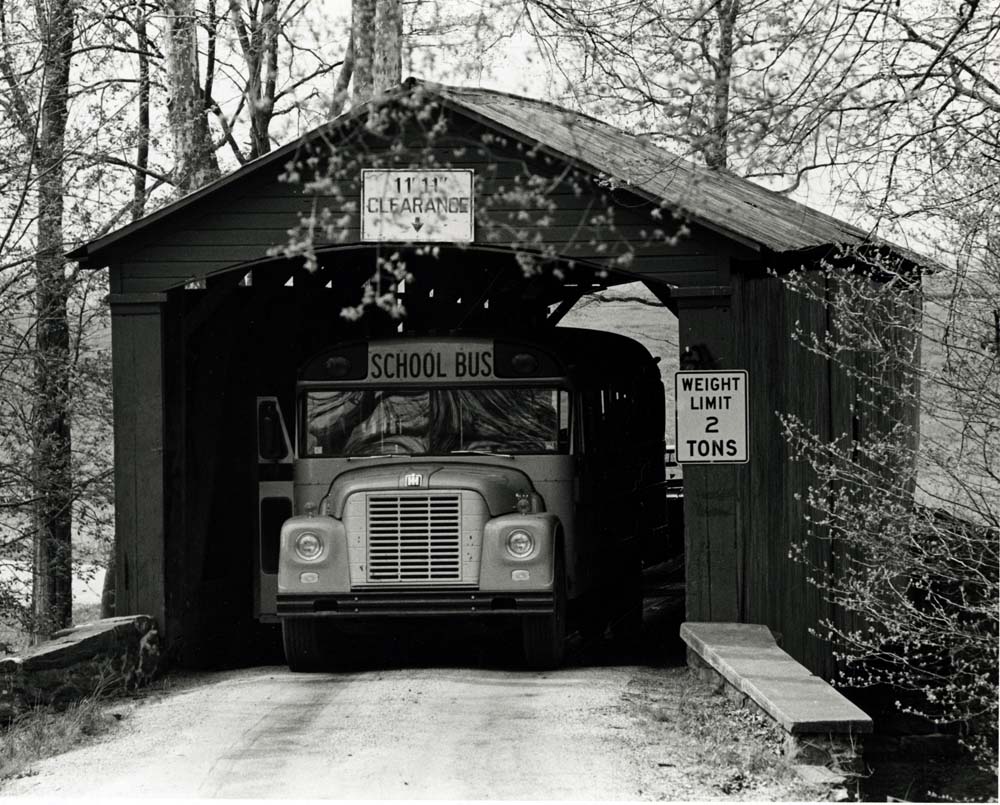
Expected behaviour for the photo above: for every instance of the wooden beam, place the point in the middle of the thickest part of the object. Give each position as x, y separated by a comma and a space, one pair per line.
706, 327
701, 291
272, 275
218, 290
565, 306
137, 349
664, 293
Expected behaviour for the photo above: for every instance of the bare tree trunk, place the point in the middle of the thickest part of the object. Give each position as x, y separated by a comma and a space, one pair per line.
263, 109
259, 45
194, 156
343, 81
388, 59
716, 151
142, 147
52, 457
363, 38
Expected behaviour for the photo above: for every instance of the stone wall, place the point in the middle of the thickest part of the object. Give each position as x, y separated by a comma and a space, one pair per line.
101, 658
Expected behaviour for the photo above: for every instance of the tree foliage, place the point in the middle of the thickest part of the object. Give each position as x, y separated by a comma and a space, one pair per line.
911, 498
106, 112
885, 113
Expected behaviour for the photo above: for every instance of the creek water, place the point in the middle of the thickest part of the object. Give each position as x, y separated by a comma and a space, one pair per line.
926, 779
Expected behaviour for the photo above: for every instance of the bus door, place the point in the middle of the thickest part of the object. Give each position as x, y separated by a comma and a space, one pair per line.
275, 489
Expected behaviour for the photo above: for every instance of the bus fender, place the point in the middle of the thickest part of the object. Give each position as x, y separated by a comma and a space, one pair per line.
329, 572
501, 571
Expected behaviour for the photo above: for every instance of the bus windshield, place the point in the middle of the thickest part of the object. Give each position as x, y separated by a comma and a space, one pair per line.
368, 422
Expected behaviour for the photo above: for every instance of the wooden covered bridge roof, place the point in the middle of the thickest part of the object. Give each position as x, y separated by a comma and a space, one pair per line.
717, 199
744, 212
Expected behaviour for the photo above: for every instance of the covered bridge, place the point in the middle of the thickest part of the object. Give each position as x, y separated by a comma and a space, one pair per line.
209, 313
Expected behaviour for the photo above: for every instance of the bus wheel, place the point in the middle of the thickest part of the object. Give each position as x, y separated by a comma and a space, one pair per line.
305, 648
545, 635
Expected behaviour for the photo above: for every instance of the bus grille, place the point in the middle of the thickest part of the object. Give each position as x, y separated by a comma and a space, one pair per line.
414, 538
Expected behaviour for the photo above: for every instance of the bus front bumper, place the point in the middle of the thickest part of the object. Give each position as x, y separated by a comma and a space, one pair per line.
398, 603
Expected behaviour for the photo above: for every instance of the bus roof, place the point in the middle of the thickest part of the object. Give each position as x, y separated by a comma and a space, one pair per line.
599, 353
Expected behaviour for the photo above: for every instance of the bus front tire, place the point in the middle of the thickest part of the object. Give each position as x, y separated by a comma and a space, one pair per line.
545, 635
305, 648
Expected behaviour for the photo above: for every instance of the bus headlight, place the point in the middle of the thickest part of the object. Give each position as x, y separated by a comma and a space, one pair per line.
520, 544
308, 546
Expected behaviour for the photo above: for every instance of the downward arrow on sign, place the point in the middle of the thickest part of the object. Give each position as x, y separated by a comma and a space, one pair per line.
417, 226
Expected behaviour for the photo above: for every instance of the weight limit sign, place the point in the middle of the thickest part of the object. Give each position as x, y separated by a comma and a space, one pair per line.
712, 418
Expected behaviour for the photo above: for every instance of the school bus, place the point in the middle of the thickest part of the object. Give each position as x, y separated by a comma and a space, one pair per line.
472, 476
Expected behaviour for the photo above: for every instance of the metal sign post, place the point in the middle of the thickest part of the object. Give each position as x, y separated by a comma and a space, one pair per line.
712, 417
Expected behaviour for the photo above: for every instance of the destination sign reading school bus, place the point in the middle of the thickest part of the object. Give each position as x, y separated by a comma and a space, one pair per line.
421, 362
417, 206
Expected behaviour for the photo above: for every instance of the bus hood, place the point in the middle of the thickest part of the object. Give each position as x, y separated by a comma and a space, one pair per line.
499, 486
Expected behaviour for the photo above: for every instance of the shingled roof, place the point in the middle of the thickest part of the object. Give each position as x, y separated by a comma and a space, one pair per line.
717, 199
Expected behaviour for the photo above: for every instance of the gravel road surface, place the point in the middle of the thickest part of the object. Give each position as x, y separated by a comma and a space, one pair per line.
402, 733
453, 723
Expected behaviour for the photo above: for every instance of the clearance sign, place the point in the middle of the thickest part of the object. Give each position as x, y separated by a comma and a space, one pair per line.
417, 206
712, 417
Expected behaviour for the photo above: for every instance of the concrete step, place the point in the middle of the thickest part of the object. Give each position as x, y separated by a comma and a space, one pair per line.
749, 659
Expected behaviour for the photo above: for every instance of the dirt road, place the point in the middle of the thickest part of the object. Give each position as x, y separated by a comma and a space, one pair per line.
449, 724
587, 733
403, 733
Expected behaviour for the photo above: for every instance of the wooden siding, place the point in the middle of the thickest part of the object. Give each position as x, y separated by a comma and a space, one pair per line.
217, 365
736, 209
137, 341
742, 520
787, 378
711, 501
807, 396
784, 379
865, 405
575, 218
734, 205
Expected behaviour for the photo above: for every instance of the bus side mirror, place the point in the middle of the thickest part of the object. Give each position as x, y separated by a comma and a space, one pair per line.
270, 434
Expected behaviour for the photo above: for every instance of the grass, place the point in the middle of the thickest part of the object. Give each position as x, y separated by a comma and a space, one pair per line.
714, 744
43, 732
86, 613
744, 744
13, 639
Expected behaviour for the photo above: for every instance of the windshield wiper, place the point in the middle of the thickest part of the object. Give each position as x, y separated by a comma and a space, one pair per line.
480, 453
381, 455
